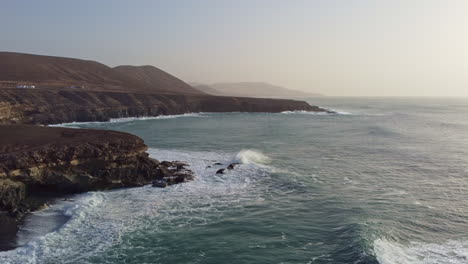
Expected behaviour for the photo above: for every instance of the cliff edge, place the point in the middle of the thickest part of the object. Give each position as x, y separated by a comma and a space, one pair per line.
37, 106
38, 163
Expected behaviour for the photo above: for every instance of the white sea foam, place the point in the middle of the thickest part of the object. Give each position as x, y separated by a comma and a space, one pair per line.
331, 112
305, 112
100, 220
450, 252
339, 112
128, 119
249, 156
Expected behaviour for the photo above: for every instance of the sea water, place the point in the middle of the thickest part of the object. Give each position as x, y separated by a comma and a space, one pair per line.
382, 181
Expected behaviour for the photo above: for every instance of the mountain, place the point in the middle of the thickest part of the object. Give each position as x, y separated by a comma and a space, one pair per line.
157, 79
257, 89
102, 93
207, 89
60, 72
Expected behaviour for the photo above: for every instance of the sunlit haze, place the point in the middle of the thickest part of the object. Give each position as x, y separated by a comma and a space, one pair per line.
341, 48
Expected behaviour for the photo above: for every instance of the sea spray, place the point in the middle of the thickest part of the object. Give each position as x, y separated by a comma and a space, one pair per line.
249, 156
450, 252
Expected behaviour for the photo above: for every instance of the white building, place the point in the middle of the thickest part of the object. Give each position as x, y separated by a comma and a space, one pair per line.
25, 86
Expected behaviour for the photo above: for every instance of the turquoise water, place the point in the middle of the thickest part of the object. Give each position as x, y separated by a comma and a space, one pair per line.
384, 181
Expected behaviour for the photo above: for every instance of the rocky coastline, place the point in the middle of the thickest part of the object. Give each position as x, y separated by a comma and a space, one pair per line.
39, 164
42, 106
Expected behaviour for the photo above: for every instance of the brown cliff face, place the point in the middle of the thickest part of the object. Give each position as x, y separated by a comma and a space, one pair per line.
42, 162
36, 106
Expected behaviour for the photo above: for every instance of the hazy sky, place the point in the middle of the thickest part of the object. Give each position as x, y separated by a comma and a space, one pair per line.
336, 47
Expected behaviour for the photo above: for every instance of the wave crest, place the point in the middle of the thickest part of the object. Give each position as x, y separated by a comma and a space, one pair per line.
249, 156
451, 252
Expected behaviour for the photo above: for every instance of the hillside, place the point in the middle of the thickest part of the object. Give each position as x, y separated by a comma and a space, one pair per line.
257, 89
59, 72
124, 91
156, 78
207, 89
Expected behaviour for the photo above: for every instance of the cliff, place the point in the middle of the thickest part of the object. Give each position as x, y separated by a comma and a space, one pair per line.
71, 90
36, 106
38, 163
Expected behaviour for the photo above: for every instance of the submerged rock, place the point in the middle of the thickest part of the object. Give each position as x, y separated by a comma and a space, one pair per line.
159, 183
220, 171
232, 166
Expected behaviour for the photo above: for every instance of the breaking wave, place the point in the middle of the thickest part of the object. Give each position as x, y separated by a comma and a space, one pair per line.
451, 252
99, 221
248, 156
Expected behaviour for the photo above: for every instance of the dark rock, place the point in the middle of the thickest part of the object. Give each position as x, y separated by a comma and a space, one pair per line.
220, 171
167, 164
232, 166
217, 164
8, 229
159, 183
40, 163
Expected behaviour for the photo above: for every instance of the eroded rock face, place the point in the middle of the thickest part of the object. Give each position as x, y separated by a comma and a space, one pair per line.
38, 162
37, 106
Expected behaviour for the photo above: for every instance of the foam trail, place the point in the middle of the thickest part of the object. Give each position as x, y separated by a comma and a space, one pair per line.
127, 119
330, 112
451, 252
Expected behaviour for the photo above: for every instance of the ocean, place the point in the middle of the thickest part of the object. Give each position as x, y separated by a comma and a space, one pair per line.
385, 180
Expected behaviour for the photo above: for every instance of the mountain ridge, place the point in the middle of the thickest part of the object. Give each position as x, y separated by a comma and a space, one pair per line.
251, 89
53, 72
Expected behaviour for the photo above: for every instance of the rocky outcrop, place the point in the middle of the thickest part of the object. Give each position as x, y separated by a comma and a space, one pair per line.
36, 106
39, 163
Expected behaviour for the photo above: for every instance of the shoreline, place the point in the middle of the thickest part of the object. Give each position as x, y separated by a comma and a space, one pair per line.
39, 165
43, 107
64, 161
